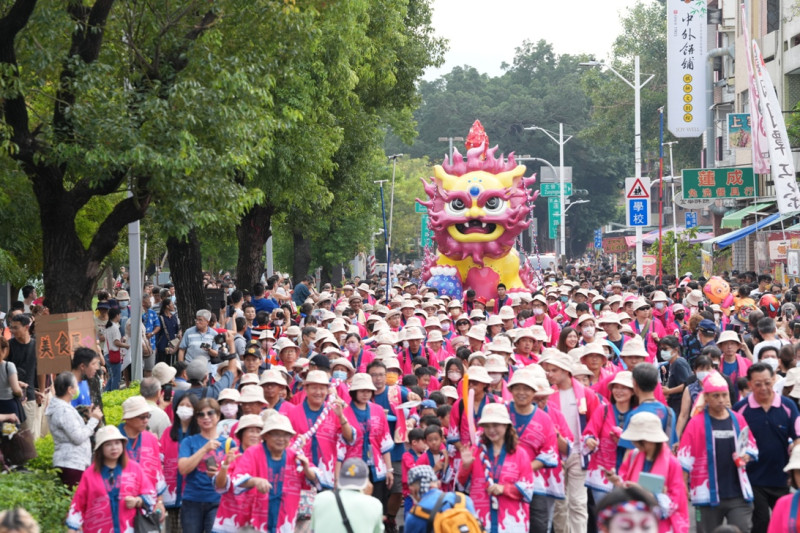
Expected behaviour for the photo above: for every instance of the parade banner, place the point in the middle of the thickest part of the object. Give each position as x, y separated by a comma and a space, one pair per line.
780, 153
615, 245
708, 263
759, 135
686, 69
57, 337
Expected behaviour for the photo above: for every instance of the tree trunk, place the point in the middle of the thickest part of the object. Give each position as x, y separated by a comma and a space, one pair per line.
69, 281
252, 233
187, 273
302, 255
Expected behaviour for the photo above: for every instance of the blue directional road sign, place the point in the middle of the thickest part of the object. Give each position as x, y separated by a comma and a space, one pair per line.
691, 219
598, 238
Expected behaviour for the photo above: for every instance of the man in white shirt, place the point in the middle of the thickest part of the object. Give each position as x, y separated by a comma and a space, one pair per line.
150, 389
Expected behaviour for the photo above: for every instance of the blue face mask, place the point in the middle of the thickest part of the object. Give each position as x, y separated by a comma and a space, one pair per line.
341, 375
564, 298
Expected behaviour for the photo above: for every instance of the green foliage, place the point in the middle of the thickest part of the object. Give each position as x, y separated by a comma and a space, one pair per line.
689, 257
44, 454
41, 493
112, 403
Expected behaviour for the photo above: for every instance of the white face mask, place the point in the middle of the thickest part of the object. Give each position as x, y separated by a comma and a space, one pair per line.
659, 305
588, 331
445, 326
184, 413
229, 410
538, 311
665, 355
772, 362
496, 378
702, 375
453, 376
279, 322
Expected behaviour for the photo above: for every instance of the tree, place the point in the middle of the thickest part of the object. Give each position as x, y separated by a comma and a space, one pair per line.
98, 98
689, 259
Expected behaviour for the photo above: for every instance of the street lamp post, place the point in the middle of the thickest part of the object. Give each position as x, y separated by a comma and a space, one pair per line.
393, 158
636, 85
674, 203
561, 142
546, 162
450, 140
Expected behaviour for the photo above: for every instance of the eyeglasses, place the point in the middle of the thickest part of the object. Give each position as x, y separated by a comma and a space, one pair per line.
204, 414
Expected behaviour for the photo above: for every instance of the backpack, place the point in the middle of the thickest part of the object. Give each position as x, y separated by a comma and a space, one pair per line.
456, 519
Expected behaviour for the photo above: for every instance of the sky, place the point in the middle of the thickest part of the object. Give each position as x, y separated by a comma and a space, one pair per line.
485, 34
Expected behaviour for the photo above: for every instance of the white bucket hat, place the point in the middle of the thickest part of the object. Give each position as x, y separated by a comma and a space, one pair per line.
634, 347
581, 370
432, 322
728, 336
249, 421
496, 363
105, 434
477, 314
794, 460
506, 313
694, 297
595, 348
494, 320
477, 333
164, 373
248, 379
495, 413
500, 344
449, 392
362, 381
644, 426
134, 406
341, 361
476, 355
384, 351
412, 333
560, 360
539, 333
392, 363
523, 377
228, 394
435, 336
624, 378
283, 343
253, 395
278, 422
317, 377
479, 374
271, 375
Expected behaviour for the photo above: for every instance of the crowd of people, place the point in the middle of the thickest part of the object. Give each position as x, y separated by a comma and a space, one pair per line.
600, 401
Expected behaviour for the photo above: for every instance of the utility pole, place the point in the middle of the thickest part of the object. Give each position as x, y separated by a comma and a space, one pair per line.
450, 140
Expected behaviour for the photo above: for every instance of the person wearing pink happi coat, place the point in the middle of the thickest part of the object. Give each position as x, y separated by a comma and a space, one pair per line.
653, 455
662, 311
272, 382
601, 436
542, 319
537, 436
270, 471
650, 330
500, 474
459, 431
320, 425
709, 451
371, 424
787, 510
111, 490
141, 445
359, 356
235, 507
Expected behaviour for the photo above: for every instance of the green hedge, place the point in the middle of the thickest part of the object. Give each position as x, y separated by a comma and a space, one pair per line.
40, 491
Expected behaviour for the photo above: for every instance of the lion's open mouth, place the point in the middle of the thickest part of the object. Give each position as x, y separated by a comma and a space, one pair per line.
475, 226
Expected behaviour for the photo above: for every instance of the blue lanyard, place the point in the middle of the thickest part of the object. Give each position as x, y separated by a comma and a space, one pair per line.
520, 429
275, 471
311, 418
111, 482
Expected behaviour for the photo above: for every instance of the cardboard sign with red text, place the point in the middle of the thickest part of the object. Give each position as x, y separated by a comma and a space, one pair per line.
57, 337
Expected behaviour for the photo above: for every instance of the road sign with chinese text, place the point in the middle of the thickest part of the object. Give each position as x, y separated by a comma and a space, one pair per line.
419, 208
598, 238
426, 235
554, 216
637, 201
553, 189
719, 183
691, 219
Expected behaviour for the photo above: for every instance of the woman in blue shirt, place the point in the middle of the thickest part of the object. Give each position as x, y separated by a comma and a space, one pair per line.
199, 459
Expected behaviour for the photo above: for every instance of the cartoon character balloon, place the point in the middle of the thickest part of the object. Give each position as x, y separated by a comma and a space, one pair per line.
477, 209
743, 309
716, 290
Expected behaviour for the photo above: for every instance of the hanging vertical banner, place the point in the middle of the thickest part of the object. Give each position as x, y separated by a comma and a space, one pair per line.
759, 142
780, 153
686, 68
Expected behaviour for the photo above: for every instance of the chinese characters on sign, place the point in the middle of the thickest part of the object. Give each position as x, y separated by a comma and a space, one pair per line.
780, 153
637, 201
615, 245
739, 131
719, 183
686, 73
57, 337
